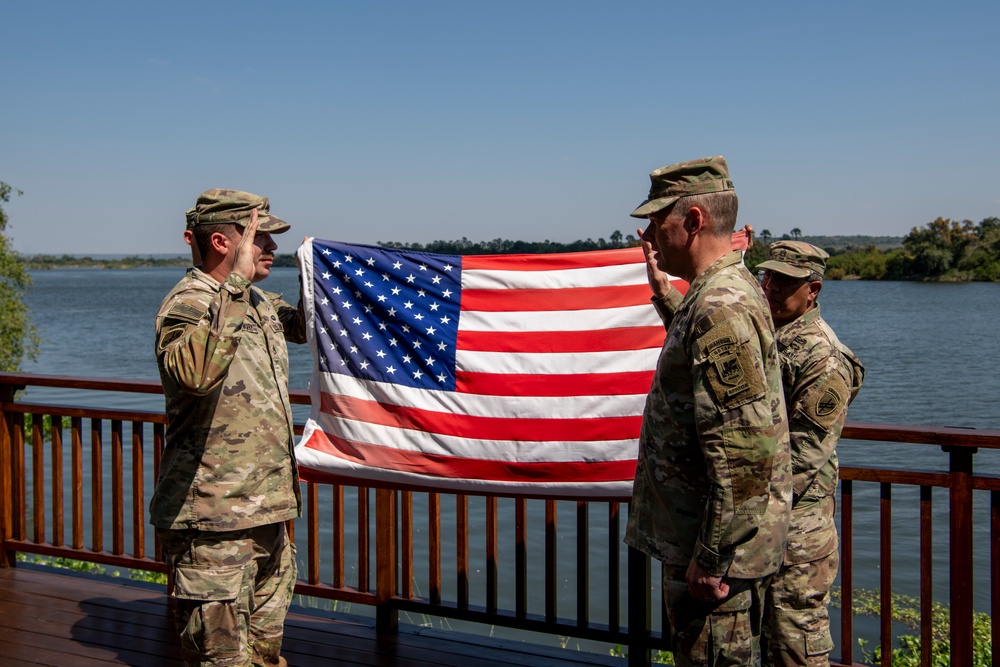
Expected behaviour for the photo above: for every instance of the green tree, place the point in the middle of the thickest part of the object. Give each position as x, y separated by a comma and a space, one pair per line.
796, 233
940, 246
755, 255
18, 337
765, 236
982, 259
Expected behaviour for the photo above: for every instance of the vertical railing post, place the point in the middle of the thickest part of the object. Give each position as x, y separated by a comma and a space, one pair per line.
995, 568
847, 571
7, 558
386, 615
640, 620
960, 547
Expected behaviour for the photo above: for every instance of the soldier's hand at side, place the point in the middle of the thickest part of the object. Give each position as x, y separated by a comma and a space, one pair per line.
703, 586
658, 280
245, 263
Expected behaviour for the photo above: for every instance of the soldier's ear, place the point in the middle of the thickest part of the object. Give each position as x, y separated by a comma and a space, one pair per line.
220, 242
694, 221
814, 288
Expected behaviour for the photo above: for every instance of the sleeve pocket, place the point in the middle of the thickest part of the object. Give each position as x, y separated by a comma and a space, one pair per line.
750, 456
192, 582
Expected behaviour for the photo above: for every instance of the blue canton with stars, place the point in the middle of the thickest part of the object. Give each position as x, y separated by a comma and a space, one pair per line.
387, 315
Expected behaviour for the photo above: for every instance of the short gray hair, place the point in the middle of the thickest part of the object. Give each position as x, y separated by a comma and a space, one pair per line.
721, 208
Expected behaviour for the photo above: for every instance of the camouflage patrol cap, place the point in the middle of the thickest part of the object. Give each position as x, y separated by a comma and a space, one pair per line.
189, 218
796, 259
694, 177
219, 206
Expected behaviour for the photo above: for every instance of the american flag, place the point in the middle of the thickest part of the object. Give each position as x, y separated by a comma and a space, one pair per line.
477, 373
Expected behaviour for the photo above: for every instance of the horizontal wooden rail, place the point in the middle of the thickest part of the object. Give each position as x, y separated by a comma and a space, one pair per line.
923, 435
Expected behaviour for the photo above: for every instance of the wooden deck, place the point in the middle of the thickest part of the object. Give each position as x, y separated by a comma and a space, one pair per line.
62, 620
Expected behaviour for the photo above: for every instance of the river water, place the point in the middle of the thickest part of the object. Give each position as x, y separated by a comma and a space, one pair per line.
931, 350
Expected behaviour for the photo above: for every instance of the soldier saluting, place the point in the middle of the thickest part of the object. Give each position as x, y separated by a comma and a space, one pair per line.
228, 479
712, 491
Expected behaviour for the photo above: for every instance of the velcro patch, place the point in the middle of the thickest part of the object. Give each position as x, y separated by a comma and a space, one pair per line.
827, 403
731, 369
185, 312
169, 335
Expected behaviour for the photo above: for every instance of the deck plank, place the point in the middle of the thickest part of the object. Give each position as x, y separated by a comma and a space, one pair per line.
60, 619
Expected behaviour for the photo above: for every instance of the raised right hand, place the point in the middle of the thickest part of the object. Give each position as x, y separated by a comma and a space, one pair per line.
246, 256
658, 280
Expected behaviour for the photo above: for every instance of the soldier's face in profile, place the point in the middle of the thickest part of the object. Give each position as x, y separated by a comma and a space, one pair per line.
668, 238
788, 298
264, 247
263, 251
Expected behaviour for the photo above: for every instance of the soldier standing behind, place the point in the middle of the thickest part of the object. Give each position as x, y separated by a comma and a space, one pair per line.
821, 376
712, 491
228, 479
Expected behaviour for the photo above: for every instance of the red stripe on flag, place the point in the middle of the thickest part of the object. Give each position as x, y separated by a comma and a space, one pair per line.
569, 260
388, 458
569, 298
480, 428
607, 340
584, 384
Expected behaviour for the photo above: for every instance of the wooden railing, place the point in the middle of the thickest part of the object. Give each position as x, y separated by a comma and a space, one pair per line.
500, 561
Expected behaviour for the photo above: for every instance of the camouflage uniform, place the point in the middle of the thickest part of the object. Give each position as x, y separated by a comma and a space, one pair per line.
821, 376
228, 479
713, 475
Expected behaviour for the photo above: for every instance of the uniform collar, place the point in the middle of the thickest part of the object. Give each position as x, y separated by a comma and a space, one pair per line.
724, 262
801, 322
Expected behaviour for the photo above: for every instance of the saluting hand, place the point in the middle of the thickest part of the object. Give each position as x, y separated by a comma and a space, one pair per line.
658, 280
246, 260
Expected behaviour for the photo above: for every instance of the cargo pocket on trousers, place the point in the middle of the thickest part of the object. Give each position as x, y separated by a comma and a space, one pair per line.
207, 584
740, 601
818, 643
214, 631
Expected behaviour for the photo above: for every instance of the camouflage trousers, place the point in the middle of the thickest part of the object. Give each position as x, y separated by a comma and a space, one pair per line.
231, 591
797, 614
714, 634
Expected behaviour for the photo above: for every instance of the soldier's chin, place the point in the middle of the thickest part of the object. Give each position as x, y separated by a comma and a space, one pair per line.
262, 270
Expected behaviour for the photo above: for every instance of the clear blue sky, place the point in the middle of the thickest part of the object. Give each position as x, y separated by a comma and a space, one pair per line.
414, 121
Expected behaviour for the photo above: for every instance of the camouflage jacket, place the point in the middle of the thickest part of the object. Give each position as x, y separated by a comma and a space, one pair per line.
228, 462
713, 478
821, 376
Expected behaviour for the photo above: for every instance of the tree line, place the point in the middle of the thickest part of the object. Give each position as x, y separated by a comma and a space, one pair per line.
942, 250
508, 247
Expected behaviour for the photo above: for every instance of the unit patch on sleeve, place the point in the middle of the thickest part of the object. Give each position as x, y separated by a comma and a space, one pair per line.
730, 367
826, 405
